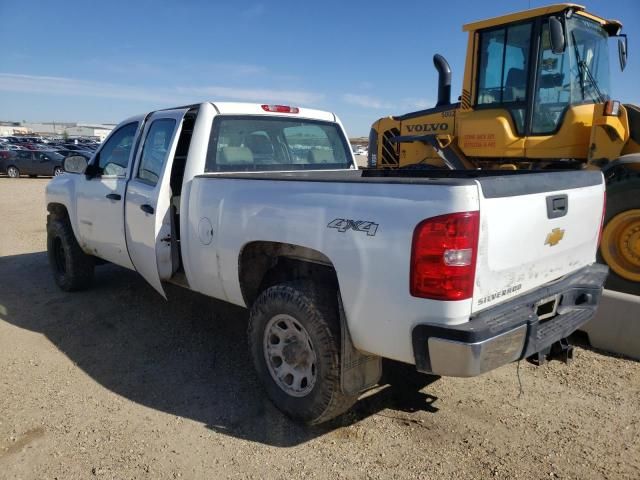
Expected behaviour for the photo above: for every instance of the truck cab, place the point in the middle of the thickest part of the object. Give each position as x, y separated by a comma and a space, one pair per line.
134, 182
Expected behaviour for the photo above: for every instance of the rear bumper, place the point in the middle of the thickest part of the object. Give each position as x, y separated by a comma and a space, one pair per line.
510, 331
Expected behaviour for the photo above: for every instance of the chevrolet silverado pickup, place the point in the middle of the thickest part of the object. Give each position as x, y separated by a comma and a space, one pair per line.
262, 206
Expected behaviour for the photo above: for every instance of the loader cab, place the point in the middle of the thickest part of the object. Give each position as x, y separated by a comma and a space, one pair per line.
532, 84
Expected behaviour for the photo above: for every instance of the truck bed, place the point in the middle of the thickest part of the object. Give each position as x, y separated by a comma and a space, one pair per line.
494, 183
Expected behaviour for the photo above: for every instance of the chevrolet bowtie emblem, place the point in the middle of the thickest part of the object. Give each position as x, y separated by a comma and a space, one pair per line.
554, 237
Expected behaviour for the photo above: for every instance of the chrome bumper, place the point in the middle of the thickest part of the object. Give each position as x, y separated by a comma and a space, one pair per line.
450, 358
510, 331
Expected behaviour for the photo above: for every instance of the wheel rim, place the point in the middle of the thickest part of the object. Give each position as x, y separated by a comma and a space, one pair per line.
289, 355
57, 171
620, 245
12, 172
59, 256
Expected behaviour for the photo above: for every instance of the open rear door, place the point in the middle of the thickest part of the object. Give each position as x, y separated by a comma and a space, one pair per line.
149, 228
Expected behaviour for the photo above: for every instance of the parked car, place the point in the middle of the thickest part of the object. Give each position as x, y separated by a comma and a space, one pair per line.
6, 153
66, 152
32, 163
455, 272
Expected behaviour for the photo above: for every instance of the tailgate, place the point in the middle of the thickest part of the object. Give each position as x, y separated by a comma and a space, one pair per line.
534, 228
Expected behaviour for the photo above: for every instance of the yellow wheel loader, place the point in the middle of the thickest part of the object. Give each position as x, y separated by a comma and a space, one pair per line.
535, 95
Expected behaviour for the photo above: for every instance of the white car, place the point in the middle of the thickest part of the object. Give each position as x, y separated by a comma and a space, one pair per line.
262, 206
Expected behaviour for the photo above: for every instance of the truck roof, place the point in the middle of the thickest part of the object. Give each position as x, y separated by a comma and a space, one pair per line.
239, 108
538, 12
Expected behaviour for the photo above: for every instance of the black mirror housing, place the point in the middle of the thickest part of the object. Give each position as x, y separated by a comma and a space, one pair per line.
75, 164
556, 34
622, 51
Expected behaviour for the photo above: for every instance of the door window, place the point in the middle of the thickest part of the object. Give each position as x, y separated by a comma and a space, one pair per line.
113, 159
156, 149
504, 58
504, 70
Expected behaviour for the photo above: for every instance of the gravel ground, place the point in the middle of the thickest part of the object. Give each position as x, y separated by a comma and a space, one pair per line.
115, 382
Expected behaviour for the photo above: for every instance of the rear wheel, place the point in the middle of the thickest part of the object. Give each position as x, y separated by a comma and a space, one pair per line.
294, 338
72, 268
620, 245
13, 171
57, 171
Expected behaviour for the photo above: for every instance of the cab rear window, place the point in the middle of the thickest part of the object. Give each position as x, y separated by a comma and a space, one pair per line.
250, 143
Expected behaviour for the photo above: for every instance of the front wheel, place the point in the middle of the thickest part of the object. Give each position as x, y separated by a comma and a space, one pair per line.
13, 171
72, 268
57, 171
294, 338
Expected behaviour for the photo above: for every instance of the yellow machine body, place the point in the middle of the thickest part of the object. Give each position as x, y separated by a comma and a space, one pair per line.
488, 136
525, 104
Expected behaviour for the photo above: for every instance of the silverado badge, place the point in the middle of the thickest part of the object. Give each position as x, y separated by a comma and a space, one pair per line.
554, 237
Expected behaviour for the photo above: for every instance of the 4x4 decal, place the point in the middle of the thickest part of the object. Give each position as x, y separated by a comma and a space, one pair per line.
342, 225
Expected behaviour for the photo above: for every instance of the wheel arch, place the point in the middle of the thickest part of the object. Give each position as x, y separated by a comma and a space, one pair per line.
9, 165
58, 211
262, 264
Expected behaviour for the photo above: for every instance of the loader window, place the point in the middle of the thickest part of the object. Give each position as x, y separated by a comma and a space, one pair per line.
504, 62
504, 70
578, 75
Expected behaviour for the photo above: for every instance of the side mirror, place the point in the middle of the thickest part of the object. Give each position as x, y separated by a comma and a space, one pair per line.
556, 34
622, 52
75, 164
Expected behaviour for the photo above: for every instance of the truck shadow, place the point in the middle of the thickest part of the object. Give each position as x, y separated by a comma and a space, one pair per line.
187, 357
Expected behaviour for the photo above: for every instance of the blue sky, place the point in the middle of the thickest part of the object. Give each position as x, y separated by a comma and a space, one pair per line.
103, 61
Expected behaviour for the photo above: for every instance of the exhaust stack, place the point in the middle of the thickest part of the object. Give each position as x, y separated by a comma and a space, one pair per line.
444, 80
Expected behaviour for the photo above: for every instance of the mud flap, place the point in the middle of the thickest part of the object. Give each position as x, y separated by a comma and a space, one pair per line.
358, 371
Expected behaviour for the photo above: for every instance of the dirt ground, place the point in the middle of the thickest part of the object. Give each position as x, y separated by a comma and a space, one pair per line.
117, 383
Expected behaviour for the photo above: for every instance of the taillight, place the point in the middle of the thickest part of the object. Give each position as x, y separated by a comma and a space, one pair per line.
280, 109
604, 211
443, 256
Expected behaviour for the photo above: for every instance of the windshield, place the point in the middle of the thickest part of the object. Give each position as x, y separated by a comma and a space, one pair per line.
590, 70
578, 75
255, 143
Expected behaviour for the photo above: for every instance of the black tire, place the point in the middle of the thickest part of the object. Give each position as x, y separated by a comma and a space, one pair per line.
317, 311
13, 171
623, 193
72, 268
58, 171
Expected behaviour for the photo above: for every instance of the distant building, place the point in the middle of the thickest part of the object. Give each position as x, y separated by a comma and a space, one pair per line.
88, 130
8, 129
56, 129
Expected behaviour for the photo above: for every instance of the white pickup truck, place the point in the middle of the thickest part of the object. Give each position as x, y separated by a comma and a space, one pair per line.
263, 206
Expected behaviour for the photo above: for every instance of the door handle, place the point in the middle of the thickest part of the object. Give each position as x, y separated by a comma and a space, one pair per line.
557, 206
147, 208
113, 196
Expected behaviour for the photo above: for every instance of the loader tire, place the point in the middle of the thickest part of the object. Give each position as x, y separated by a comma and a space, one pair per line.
620, 243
